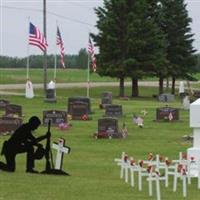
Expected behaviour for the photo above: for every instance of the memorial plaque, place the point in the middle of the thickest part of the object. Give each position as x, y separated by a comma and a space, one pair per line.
108, 128
84, 100
167, 113
50, 95
12, 110
113, 111
165, 97
3, 104
56, 116
9, 124
78, 109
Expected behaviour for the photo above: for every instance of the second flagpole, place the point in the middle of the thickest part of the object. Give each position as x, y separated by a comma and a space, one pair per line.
88, 74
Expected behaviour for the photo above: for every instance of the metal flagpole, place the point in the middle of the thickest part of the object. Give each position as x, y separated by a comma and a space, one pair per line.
55, 58
45, 51
28, 63
88, 74
88, 78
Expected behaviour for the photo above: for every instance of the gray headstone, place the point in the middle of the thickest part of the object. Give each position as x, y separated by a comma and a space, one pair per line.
56, 116
113, 111
186, 103
166, 97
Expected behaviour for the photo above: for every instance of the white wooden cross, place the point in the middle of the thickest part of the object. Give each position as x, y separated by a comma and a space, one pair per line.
61, 149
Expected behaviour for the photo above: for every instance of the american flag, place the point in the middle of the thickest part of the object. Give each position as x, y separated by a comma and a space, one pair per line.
60, 43
91, 53
170, 116
36, 38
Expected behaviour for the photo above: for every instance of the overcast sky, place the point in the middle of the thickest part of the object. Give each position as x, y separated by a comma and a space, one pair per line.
76, 18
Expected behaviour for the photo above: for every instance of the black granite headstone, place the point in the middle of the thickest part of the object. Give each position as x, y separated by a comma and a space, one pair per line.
113, 111
78, 109
84, 100
9, 124
166, 113
108, 128
3, 104
56, 116
12, 110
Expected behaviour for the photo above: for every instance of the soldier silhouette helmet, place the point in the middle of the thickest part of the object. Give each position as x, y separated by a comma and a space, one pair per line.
34, 122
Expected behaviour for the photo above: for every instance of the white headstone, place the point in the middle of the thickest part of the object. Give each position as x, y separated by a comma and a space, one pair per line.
181, 87
29, 90
61, 149
186, 103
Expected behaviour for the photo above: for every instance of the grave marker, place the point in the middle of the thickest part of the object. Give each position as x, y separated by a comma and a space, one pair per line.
12, 110
61, 149
108, 128
165, 97
113, 111
106, 99
9, 124
167, 113
84, 100
56, 116
3, 104
186, 103
78, 109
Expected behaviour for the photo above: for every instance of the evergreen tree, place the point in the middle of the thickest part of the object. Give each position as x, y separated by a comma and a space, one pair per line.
112, 25
176, 25
130, 42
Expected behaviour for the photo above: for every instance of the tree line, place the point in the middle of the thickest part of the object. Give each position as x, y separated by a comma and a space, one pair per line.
142, 38
36, 61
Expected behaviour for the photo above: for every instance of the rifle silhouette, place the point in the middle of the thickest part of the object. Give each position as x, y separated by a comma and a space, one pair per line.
48, 152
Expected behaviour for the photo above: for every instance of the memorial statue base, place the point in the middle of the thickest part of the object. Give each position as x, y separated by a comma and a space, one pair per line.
55, 172
53, 100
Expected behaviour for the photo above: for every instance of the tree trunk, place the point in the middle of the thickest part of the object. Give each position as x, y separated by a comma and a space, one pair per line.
121, 87
173, 85
135, 91
160, 85
167, 83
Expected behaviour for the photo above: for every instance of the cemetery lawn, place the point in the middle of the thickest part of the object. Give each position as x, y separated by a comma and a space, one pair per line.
94, 174
16, 76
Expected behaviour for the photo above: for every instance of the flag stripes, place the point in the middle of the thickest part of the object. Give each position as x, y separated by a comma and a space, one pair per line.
60, 43
92, 55
36, 38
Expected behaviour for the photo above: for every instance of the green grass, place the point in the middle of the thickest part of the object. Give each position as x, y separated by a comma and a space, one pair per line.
8, 75
36, 75
94, 175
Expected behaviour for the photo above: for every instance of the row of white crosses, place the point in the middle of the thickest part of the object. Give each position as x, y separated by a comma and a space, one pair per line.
177, 168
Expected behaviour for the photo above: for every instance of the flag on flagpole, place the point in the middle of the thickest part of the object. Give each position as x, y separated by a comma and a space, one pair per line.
36, 38
92, 55
170, 116
60, 43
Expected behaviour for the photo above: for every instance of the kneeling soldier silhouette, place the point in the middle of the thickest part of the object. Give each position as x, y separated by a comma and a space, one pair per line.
22, 141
